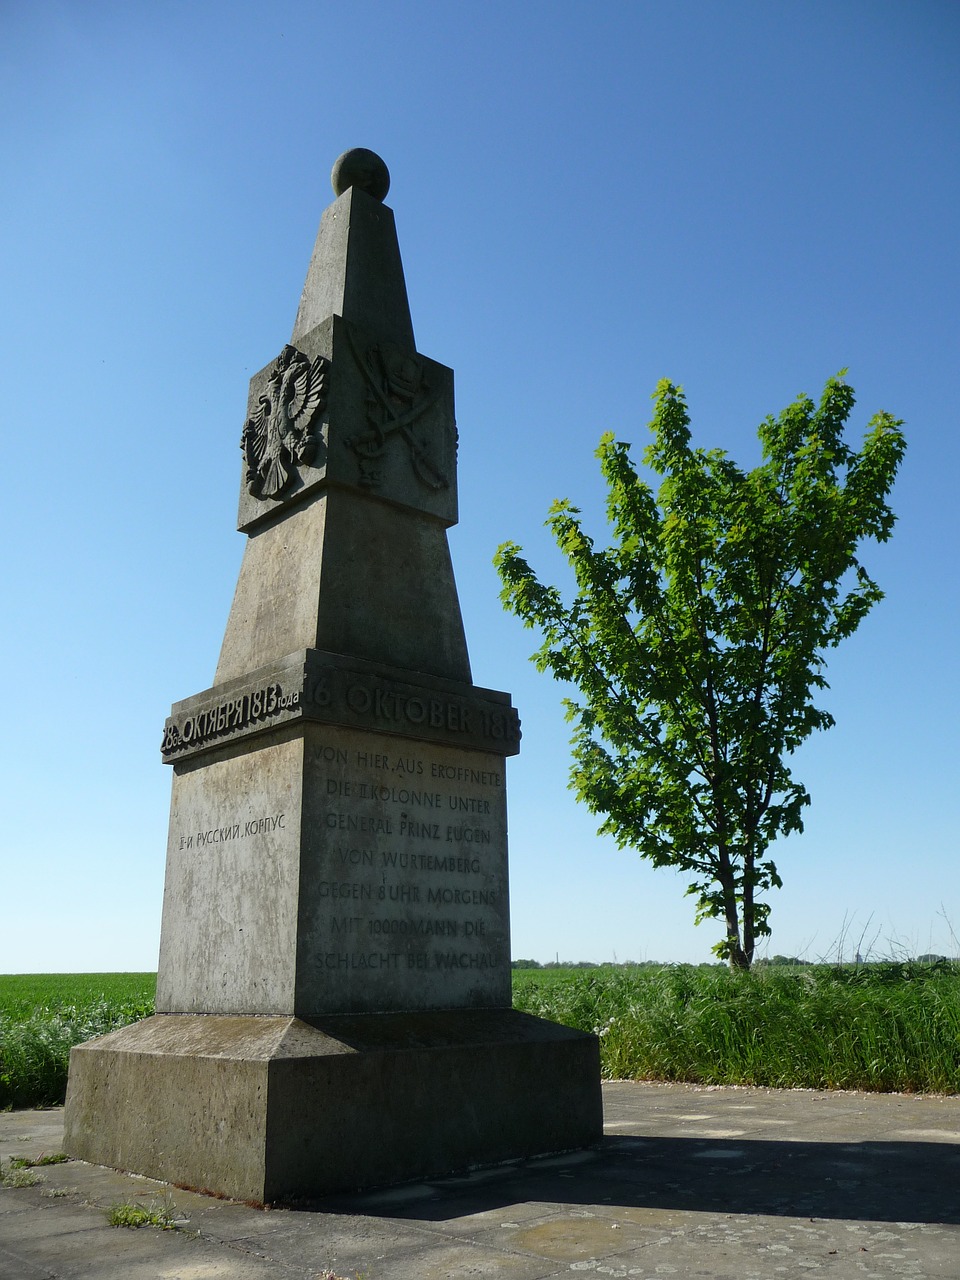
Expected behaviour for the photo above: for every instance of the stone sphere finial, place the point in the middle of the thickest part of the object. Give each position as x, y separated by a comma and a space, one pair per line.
360, 168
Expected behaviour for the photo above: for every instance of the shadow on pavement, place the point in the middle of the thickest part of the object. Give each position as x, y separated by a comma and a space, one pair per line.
916, 1182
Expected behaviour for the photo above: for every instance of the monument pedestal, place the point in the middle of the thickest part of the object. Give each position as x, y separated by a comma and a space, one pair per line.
268, 1109
334, 988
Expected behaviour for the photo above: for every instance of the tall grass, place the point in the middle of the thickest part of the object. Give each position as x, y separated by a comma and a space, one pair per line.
42, 1016
883, 1027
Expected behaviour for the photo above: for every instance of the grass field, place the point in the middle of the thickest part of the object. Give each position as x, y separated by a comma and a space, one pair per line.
43, 1015
22, 993
882, 1027
885, 1027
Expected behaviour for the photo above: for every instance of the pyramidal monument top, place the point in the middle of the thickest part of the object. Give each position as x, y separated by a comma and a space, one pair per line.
355, 270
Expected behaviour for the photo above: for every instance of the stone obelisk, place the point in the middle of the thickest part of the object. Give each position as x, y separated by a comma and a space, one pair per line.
333, 997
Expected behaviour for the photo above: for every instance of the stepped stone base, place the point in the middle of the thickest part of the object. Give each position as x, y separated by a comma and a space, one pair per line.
268, 1109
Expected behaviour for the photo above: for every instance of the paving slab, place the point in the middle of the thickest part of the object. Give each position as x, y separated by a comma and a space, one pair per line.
689, 1181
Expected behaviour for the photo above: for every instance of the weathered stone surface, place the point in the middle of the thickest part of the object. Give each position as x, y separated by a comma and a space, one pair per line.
351, 576
336, 871
356, 272
267, 1109
228, 939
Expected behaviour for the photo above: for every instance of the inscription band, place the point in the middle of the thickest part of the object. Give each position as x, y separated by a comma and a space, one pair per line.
316, 686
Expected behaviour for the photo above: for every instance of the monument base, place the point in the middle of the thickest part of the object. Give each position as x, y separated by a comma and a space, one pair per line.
268, 1109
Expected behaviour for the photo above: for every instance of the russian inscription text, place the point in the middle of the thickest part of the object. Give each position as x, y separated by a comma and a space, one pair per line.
336, 695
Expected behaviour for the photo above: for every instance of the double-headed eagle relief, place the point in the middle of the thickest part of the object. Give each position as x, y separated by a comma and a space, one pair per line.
282, 431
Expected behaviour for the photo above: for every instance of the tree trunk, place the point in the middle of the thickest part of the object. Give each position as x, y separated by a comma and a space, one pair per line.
749, 919
739, 961
728, 884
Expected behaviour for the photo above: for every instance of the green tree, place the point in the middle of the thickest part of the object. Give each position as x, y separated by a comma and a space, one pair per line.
697, 640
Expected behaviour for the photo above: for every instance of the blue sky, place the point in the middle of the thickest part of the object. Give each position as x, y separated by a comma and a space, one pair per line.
744, 197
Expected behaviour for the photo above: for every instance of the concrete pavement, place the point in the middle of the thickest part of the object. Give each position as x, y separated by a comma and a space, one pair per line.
752, 1184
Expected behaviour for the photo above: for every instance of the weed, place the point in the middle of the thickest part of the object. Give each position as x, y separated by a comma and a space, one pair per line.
19, 1176
24, 1162
136, 1215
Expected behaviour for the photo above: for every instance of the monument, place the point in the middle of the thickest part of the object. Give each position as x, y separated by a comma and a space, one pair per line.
334, 996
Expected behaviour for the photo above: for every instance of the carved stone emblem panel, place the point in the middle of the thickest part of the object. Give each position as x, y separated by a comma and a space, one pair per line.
345, 408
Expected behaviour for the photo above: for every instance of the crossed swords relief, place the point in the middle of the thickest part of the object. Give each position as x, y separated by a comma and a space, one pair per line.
394, 388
